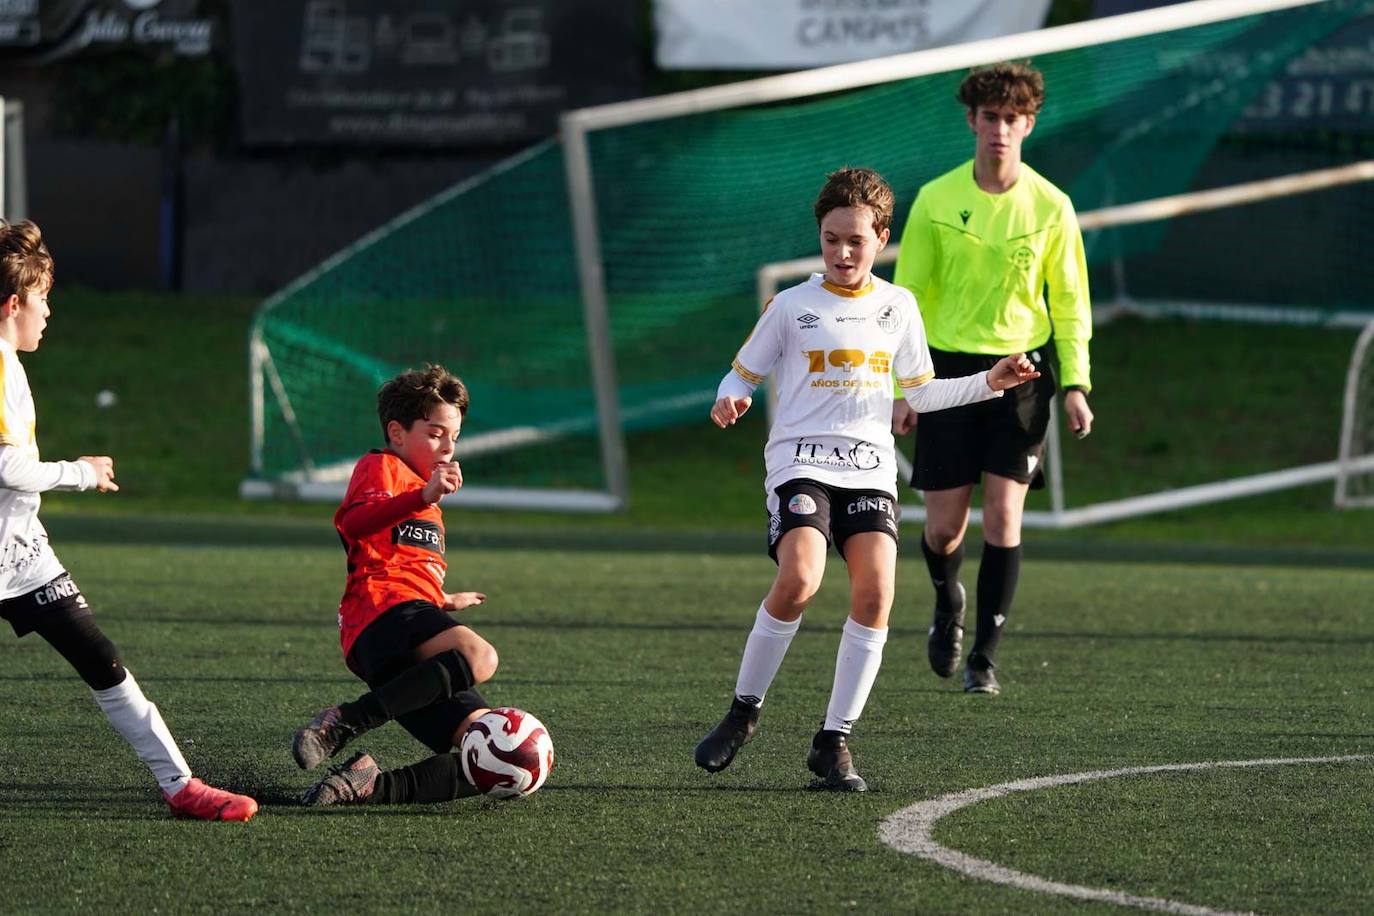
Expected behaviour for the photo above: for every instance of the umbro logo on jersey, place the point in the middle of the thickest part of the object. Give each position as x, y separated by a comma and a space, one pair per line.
808, 320
964, 215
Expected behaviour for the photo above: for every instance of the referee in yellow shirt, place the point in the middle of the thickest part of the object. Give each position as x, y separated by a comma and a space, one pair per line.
995, 258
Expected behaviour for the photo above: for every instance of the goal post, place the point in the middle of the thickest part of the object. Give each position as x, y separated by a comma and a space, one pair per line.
1355, 464
14, 197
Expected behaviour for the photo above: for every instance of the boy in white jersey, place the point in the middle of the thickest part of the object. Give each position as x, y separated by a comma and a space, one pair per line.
833, 344
36, 594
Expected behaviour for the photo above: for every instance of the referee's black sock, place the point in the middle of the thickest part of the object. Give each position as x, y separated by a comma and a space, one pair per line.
438, 779
435, 678
997, 576
944, 573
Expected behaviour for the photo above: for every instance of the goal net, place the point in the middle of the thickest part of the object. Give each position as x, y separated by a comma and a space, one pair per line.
600, 284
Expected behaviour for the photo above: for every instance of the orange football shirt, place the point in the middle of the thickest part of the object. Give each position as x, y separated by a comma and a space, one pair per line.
401, 562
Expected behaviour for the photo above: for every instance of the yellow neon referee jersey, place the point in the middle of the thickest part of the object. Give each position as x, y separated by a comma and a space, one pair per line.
980, 264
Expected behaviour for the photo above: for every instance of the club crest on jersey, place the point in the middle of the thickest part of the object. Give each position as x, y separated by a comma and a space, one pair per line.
1022, 258
964, 215
801, 504
807, 321
888, 319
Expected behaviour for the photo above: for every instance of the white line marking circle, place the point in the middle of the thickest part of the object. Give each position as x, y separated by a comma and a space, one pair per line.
910, 829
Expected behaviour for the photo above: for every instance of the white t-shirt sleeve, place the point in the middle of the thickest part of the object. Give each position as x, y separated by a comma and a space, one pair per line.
915, 373
756, 358
20, 472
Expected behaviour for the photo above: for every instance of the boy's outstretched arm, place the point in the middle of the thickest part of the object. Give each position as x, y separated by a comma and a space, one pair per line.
20, 472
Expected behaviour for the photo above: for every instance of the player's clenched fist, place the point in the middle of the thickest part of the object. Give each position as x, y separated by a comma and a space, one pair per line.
104, 472
446, 478
727, 410
1011, 371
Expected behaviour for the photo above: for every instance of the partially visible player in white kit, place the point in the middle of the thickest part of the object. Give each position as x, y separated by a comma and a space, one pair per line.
833, 344
36, 593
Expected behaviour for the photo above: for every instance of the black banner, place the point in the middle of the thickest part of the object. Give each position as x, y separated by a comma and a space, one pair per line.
426, 72
43, 30
1329, 86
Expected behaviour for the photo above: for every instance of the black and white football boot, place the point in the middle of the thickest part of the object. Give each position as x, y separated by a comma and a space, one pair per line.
830, 760
720, 746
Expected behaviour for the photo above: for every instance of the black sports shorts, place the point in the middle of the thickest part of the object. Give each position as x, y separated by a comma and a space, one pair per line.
1003, 436
386, 647
835, 512
27, 613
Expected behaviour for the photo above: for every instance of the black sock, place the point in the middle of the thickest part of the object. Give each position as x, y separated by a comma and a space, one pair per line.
469, 701
944, 573
435, 678
997, 575
438, 779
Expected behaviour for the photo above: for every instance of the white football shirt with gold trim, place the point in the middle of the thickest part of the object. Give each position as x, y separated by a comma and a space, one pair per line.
26, 560
832, 352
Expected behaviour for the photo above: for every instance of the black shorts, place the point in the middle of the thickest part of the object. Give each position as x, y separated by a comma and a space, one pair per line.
60, 597
835, 512
386, 647
1003, 436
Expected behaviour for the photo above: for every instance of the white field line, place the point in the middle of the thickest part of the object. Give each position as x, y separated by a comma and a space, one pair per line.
910, 830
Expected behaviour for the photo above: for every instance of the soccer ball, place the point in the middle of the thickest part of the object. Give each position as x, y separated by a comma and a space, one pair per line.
507, 753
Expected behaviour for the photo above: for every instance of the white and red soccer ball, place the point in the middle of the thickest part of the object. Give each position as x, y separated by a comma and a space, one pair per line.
507, 753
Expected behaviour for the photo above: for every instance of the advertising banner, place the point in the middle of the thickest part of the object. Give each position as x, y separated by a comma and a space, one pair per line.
417, 73
45, 30
798, 34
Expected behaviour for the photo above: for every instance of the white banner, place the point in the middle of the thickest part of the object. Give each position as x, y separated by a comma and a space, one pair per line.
799, 34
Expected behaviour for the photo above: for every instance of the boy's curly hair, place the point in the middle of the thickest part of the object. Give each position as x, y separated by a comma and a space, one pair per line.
1013, 83
25, 264
849, 187
411, 395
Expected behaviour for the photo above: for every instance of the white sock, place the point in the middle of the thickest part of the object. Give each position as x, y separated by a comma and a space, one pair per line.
856, 668
763, 653
141, 725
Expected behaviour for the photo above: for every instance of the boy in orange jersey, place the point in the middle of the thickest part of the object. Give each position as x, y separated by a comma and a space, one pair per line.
36, 593
396, 634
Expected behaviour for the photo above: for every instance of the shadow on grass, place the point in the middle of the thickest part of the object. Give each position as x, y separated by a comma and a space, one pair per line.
260, 532
196, 679
1253, 638
65, 800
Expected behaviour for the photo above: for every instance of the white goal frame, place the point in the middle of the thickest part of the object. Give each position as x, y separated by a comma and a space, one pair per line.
1348, 462
14, 185
574, 129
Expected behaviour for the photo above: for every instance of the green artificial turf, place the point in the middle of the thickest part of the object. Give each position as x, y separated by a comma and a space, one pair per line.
628, 654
